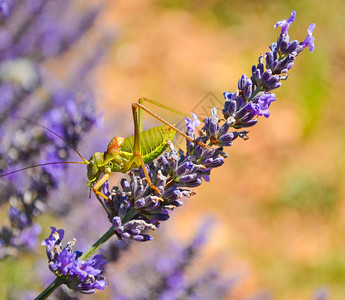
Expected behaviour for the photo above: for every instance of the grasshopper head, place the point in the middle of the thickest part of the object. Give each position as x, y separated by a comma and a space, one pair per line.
94, 168
100, 161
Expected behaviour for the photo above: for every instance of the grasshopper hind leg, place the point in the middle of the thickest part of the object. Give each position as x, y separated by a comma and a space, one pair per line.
134, 161
137, 119
139, 106
149, 182
137, 109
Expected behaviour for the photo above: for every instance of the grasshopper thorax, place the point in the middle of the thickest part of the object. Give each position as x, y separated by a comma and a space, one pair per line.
115, 145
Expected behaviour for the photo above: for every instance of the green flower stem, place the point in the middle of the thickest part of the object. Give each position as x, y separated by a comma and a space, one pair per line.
98, 244
129, 215
60, 280
51, 288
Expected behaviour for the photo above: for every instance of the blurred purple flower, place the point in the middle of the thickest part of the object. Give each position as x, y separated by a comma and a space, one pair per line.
321, 293
32, 94
167, 272
4, 7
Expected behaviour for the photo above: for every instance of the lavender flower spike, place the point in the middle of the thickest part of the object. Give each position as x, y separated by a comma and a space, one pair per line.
84, 276
135, 207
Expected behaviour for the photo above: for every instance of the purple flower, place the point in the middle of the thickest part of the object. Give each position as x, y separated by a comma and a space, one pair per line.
84, 276
64, 262
192, 124
285, 24
53, 243
309, 40
54, 236
261, 107
90, 267
293, 48
133, 229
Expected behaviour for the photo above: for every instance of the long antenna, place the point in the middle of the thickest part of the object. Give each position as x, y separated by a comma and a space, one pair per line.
44, 164
51, 131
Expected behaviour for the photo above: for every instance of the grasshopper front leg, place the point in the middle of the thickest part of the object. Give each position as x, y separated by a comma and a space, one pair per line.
98, 184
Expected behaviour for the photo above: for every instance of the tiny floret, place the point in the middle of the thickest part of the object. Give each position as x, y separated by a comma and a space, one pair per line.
309, 40
285, 24
192, 124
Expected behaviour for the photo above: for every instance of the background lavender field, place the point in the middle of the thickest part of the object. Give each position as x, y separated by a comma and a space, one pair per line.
279, 199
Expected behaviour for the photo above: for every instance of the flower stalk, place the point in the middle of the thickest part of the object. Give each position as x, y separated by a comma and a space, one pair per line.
103, 239
51, 288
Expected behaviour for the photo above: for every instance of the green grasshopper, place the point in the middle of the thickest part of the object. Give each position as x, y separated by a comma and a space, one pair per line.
124, 154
